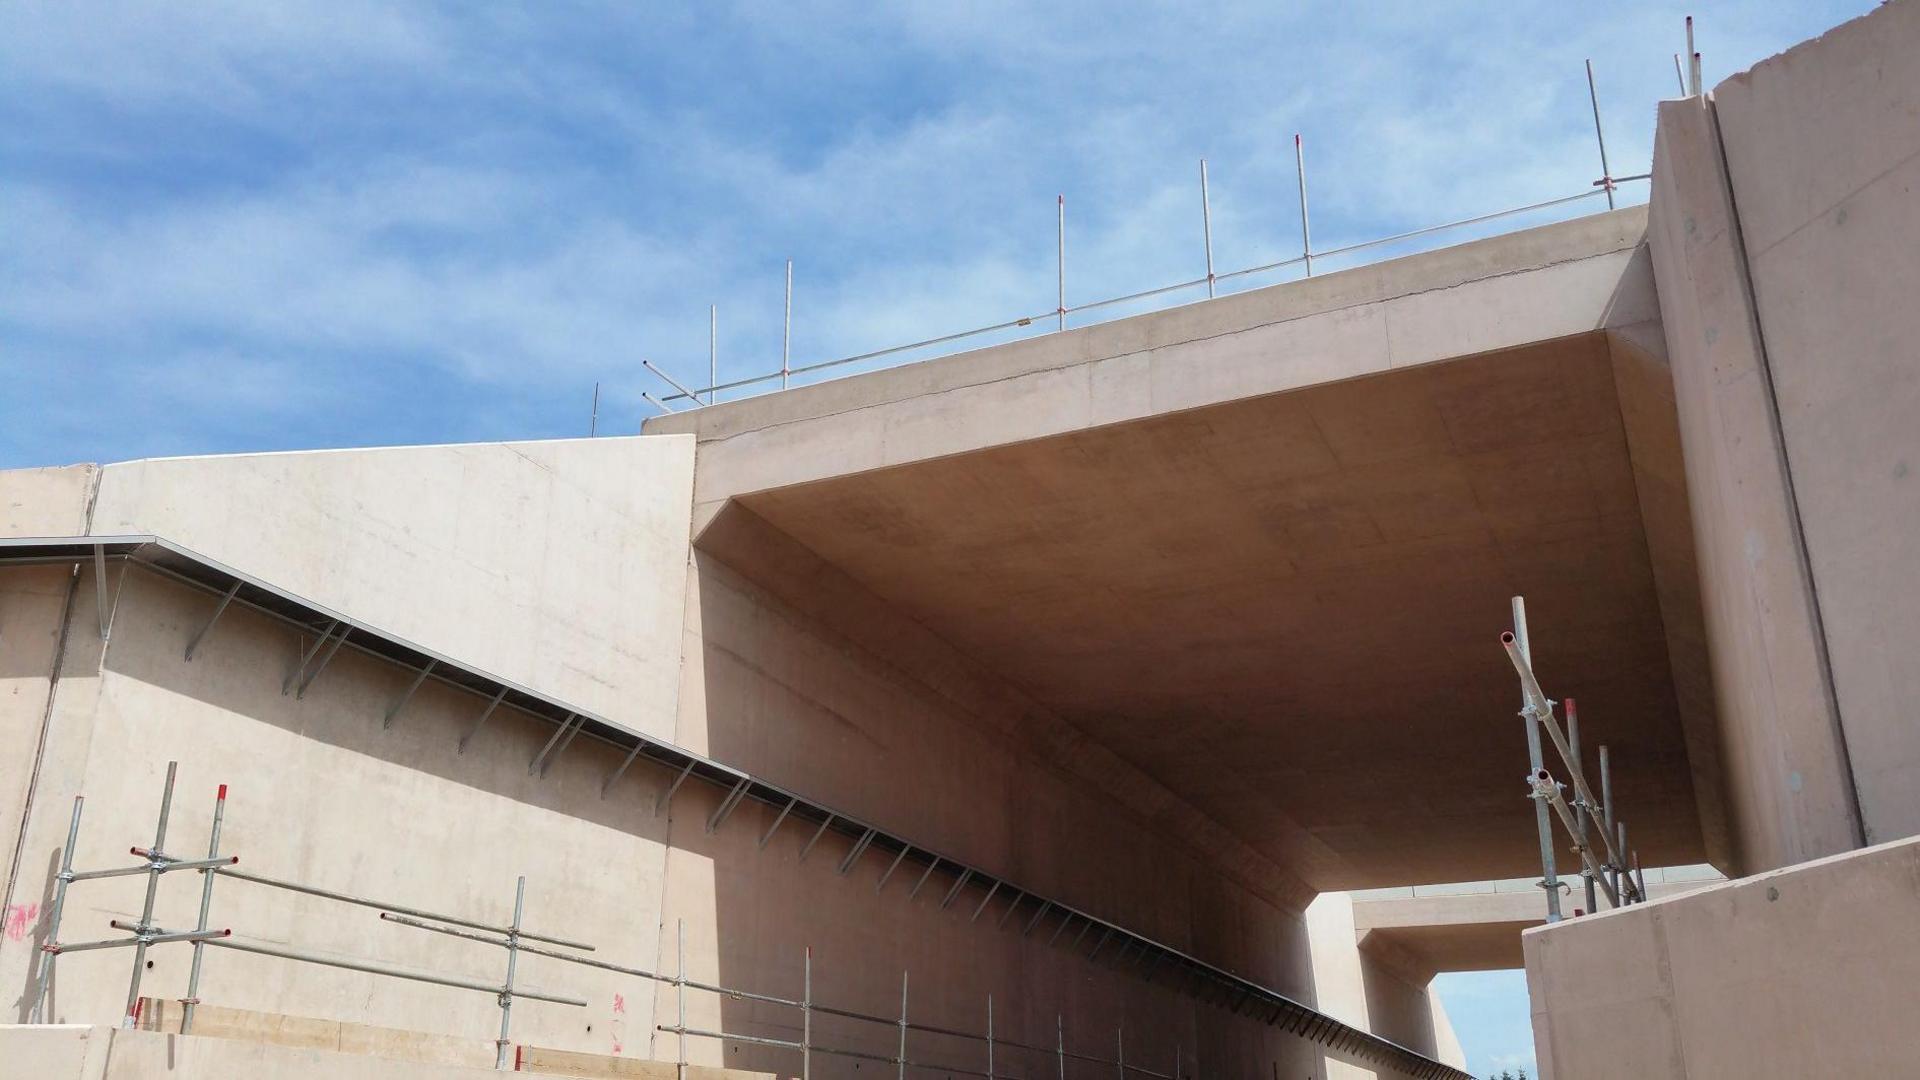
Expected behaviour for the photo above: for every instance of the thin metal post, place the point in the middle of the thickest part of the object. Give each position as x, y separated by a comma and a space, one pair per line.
225, 599
1306, 233
680, 991
786, 332
1550, 881
1583, 814
501, 1045
593, 421
1060, 279
713, 350
1639, 878
1176, 1059
206, 907
1679, 76
1206, 225
1626, 870
900, 1063
145, 926
1606, 813
1060, 1044
47, 953
806, 1016
1606, 174
1693, 60
989, 1037
1120, 1053
100, 590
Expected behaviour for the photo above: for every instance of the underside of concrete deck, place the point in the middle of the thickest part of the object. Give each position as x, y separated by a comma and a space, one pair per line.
1265, 560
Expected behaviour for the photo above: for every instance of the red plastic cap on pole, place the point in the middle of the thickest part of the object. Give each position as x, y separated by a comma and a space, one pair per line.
222, 797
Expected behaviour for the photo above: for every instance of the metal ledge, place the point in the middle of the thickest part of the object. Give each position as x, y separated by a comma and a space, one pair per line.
1147, 957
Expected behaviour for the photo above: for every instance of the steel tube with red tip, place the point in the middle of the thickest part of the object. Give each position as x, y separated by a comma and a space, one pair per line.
206, 906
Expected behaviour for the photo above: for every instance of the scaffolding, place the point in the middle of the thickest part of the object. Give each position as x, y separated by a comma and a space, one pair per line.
1614, 869
326, 633
992, 1048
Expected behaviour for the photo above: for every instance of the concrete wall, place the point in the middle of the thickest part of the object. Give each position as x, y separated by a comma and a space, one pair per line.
1808, 971
1822, 146
322, 793
1782, 227
554, 564
1385, 991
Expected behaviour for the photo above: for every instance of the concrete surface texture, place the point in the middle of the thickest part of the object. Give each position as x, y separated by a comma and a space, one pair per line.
1822, 150
99, 1052
1476, 926
554, 564
1279, 653
323, 793
1782, 224
1807, 971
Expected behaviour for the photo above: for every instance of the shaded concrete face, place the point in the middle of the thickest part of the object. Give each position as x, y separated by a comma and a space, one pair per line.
1807, 971
1285, 609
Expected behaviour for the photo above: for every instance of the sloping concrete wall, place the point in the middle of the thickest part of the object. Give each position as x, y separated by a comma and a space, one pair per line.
555, 564
1782, 225
1808, 971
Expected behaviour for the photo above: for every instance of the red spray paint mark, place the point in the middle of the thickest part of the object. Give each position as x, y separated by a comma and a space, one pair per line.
619, 1005
19, 918
616, 1046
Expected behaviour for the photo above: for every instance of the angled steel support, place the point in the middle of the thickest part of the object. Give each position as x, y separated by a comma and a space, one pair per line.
966, 874
1101, 944
859, 847
775, 827
1065, 921
561, 732
924, 875
1012, 906
666, 796
225, 599
607, 784
984, 901
1045, 906
325, 659
817, 834
412, 687
492, 704
891, 867
306, 656
727, 804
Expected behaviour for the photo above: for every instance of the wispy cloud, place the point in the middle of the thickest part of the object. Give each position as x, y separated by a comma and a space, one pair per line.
242, 226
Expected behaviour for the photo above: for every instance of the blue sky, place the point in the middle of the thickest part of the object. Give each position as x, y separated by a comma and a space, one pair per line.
233, 227
253, 226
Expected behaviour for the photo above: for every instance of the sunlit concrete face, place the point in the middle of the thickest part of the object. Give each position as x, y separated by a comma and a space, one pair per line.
1285, 609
